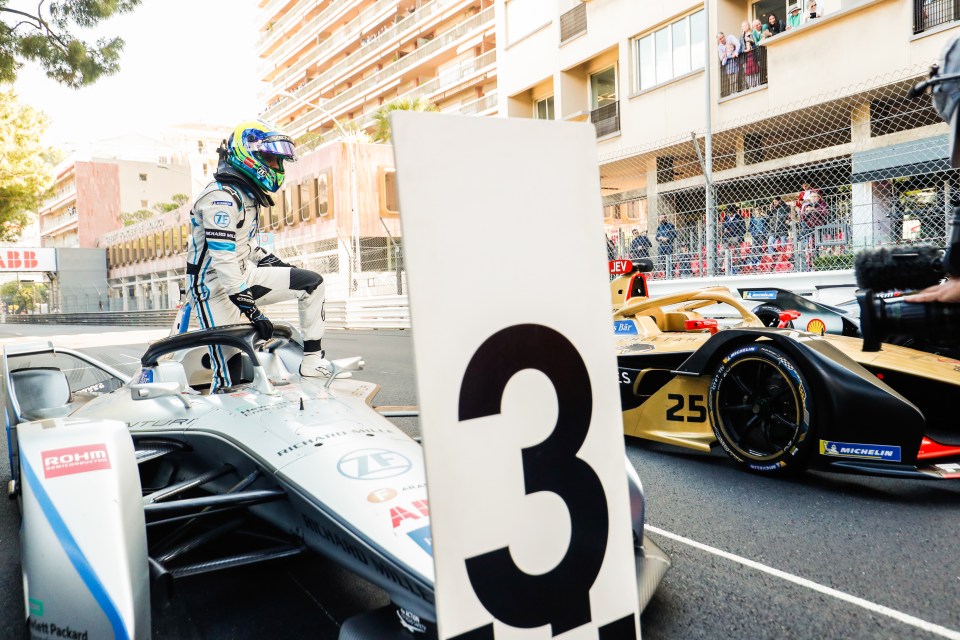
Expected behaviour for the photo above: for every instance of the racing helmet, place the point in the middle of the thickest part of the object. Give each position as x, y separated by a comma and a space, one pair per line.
251, 145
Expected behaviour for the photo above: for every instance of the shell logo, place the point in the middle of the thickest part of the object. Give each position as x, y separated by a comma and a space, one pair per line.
816, 326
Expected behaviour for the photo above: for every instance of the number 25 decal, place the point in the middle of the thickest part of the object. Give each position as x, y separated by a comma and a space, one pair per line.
696, 412
560, 597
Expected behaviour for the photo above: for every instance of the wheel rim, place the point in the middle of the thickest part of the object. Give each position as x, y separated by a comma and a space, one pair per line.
758, 409
768, 318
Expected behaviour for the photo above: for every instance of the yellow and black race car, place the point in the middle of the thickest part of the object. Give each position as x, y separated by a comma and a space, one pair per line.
699, 368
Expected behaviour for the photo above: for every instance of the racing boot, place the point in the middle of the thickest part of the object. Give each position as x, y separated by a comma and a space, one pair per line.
315, 365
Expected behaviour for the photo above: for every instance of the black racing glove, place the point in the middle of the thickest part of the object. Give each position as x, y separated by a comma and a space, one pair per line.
271, 260
248, 307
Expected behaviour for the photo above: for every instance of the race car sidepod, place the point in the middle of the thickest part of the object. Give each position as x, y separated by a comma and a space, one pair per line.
83, 538
854, 404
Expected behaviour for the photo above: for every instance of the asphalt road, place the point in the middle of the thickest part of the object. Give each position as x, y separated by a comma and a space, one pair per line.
818, 556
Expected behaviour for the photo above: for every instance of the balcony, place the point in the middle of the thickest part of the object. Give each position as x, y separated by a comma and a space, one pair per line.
324, 49
334, 71
573, 23
55, 224
606, 119
379, 78
743, 72
461, 78
928, 14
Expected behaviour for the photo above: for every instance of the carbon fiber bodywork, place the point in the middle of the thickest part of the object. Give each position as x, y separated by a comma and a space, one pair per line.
885, 413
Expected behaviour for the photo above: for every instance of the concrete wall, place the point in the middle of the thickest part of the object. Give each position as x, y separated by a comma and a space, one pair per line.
98, 200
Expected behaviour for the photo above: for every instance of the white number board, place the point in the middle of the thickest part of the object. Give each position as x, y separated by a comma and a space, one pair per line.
516, 378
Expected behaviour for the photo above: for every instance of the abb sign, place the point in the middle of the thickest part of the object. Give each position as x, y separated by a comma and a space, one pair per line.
28, 260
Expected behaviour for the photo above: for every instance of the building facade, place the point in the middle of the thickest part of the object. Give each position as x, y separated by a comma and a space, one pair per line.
350, 57
95, 185
820, 98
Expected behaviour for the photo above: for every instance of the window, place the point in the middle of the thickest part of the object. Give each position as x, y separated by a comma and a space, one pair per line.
603, 88
544, 109
324, 207
288, 206
389, 205
143, 177
670, 52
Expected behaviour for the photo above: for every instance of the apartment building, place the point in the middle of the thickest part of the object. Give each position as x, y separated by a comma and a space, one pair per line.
823, 103
347, 58
94, 185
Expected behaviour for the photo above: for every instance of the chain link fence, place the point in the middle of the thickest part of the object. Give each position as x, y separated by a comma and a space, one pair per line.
802, 189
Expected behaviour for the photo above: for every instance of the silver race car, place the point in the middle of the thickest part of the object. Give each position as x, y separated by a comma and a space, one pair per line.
123, 483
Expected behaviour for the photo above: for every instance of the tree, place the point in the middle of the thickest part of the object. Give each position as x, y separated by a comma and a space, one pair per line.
46, 36
23, 295
25, 169
381, 117
132, 218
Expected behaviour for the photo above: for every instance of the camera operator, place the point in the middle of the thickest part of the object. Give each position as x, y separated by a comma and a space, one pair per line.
947, 291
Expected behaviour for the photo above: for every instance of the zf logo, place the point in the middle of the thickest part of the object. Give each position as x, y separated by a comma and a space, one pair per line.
373, 464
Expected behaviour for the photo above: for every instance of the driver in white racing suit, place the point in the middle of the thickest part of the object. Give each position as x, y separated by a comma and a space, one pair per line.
228, 273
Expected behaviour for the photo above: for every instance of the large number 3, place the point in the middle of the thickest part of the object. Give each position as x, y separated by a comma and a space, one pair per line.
560, 597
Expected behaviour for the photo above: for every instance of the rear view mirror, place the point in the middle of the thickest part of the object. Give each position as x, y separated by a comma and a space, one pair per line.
153, 390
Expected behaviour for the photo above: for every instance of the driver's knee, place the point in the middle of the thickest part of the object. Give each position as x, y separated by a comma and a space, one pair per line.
305, 280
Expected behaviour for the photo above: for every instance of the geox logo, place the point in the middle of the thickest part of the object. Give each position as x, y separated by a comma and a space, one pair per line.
70, 460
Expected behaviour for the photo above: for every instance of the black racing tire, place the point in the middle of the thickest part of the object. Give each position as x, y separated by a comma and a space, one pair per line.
769, 315
761, 410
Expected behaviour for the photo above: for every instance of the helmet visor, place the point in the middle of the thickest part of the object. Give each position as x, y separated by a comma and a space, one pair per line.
280, 146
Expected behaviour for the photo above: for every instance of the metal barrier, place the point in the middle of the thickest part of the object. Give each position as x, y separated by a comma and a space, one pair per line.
380, 312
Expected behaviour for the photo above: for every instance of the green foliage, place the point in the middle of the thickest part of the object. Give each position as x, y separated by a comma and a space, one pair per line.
381, 117
25, 171
133, 217
23, 295
47, 37
832, 262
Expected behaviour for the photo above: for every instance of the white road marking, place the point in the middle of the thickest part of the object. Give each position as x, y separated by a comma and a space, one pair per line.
819, 588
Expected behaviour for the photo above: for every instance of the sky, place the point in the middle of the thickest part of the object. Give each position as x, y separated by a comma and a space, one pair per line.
184, 61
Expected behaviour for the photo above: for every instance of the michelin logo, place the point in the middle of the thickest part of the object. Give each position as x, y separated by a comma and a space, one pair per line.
853, 450
760, 295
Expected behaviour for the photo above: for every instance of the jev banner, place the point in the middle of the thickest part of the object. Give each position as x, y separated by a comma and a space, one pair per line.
516, 378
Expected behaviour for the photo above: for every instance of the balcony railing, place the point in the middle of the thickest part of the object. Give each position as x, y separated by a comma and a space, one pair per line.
398, 67
277, 28
57, 222
928, 14
743, 72
333, 72
573, 23
449, 78
350, 31
606, 119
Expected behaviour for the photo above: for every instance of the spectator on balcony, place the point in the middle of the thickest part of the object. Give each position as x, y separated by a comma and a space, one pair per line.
758, 30
778, 222
745, 30
774, 24
804, 196
732, 228
813, 11
683, 261
759, 229
751, 66
794, 19
731, 67
722, 42
640, 245
666, 235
